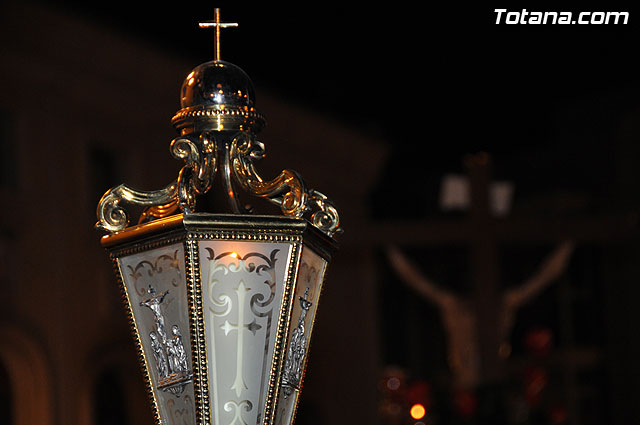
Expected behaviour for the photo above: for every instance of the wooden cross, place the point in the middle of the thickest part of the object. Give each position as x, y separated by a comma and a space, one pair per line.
217, 25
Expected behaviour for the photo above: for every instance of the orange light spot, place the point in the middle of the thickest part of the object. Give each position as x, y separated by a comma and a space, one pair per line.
418, 411
234, 254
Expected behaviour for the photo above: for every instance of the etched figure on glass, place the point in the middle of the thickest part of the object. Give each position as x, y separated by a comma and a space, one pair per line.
168, 352
154, 305
179, 354
297, 349
159, 355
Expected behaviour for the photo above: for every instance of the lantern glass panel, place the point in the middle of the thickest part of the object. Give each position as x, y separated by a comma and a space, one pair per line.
243, 288
305, 303
155, 286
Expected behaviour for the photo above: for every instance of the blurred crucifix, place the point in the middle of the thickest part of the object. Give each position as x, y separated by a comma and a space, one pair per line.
484, 320
459, 314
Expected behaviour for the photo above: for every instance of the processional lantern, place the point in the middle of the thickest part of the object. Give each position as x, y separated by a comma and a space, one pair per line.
221, 305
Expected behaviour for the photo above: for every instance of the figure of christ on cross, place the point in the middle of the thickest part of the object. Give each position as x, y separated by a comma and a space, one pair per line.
459, 316
153, 303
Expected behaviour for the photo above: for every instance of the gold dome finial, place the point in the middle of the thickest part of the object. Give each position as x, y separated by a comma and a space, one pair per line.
217, 25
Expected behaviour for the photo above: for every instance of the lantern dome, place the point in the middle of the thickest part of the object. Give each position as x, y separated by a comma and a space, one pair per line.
217, 83
217, 95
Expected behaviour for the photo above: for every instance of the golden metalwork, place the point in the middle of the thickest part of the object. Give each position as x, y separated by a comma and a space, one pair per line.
217, 123
158, 211
112, 217
219, 117
198, 336
237, 159
287, 190
217, 25
142, 230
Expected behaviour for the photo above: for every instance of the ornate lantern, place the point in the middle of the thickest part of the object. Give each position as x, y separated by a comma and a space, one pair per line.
221, 305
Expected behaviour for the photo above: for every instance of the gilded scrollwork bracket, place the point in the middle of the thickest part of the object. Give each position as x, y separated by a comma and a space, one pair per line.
287, 190
236, 157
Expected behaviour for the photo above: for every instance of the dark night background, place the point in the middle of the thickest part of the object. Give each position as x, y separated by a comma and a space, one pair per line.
437, 82
557, 108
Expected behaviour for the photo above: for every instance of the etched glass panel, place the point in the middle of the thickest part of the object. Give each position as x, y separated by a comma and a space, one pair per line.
308, 288
156, 289
243, 285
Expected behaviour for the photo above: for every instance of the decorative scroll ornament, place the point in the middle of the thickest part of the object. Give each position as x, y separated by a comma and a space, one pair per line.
287, 190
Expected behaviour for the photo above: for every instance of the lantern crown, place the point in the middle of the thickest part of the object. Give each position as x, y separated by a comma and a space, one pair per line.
217, 95
218, 123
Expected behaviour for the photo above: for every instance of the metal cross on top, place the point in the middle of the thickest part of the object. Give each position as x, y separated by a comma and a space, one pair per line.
217, 25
